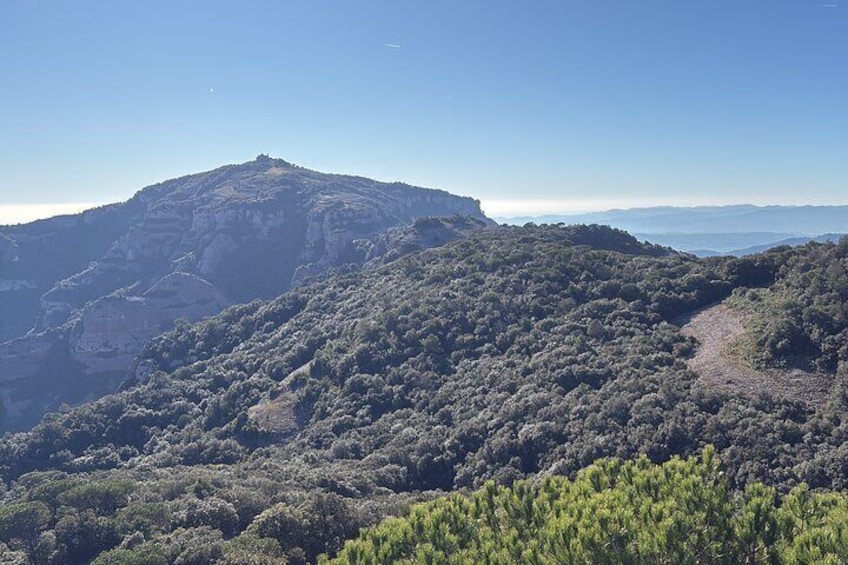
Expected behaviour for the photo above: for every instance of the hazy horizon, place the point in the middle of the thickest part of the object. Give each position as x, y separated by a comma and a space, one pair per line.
11, 214
573, 102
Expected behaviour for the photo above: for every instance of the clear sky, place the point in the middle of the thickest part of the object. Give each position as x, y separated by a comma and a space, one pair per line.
548, 106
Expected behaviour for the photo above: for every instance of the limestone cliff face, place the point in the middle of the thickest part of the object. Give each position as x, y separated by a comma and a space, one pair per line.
425, 233
8, 249
338, 230
81, 294
36, 257
119, 324
89, 357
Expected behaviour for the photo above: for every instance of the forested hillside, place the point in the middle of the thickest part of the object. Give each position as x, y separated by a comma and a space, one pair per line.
275, 430
802, 320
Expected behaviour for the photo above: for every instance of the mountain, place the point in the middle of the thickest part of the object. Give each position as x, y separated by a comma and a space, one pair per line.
746, 218
710, 244
713, 230
736, 244
275, 430
82, 294
792, 242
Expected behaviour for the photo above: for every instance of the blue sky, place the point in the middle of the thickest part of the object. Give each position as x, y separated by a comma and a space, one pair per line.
549, 106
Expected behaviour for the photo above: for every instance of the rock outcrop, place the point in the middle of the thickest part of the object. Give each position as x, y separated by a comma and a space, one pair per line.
81, 294
425, 233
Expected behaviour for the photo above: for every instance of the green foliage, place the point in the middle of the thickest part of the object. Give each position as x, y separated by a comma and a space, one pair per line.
103, 497
276, 430
681, 512
197, 546
802, 320
248, 549
23, 521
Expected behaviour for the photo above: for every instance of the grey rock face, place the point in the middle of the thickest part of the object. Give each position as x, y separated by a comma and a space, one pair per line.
81, 294
425, 233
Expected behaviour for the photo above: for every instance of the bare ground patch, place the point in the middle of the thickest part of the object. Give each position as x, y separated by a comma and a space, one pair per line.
717, 328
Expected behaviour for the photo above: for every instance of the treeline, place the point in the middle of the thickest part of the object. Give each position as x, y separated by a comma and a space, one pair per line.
628, 513
285, 426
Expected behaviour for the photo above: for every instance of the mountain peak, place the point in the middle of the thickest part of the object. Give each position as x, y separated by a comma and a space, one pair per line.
186, 247
264, 158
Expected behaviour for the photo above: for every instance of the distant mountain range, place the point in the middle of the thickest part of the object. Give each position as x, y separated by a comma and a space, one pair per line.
715, 230
754, 249
80, 295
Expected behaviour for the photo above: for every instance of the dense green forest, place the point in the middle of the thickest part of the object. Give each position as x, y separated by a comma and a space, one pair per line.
682, 512
274, 431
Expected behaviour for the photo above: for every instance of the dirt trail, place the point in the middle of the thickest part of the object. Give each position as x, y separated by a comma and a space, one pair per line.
716, 328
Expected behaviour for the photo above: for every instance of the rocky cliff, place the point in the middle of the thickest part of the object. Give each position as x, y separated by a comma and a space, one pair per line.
81, 294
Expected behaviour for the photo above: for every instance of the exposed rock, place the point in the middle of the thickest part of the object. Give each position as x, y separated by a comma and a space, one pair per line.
119, 325
8, 249
216, 253
12, 286
103, 282
424, 233
98, 346
43, 253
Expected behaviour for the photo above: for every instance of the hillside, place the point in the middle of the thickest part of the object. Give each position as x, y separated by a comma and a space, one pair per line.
801, 321
284, 426
719, 330
92, 289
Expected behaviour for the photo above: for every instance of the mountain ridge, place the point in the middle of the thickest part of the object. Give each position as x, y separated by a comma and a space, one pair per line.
92, 288
735, 218
705, 231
